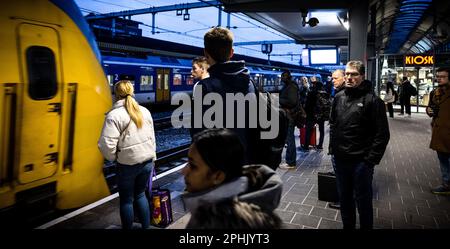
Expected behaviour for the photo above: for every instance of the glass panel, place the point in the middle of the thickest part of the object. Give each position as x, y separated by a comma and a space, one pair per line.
177, 79
166, 82
146, 82
189, 80
41, 73
158, 82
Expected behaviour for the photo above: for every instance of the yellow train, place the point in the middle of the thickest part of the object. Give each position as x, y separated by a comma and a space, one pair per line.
53, 97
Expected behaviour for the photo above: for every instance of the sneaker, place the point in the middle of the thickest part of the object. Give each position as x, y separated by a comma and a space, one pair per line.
408, 116
286, 166
441, 190
401, 114
335, 205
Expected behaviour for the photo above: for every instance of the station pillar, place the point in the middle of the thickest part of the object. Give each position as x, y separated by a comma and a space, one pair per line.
357, 41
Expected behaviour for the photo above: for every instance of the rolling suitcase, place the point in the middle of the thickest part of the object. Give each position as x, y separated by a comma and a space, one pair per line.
312, 140
327, 187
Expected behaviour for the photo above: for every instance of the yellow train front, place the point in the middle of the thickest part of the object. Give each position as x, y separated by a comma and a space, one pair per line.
53, 97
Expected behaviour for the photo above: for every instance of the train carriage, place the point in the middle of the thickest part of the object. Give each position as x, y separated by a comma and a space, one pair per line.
53, 96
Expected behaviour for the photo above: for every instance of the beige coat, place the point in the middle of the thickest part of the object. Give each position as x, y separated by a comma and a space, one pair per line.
121, 140
440, 137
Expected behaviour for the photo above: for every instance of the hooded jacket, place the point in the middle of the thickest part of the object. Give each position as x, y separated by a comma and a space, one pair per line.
230, 77
359, 128
121, 140
261, 186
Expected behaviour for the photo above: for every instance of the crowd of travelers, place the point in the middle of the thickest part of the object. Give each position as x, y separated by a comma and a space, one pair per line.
229, 182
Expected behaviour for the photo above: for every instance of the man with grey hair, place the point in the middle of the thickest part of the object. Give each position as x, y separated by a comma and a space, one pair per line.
359, 134
338, 80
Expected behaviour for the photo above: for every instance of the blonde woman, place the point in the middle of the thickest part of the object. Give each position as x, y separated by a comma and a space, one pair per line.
128, 137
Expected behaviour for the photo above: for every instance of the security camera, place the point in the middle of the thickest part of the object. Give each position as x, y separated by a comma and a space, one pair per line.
313, 21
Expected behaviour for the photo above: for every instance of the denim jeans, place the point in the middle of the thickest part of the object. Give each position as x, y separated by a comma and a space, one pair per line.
291, 150
354, 181
132, 181
444, 161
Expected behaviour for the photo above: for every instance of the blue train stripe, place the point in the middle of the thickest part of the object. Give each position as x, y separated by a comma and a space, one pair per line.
143, 64
72, 10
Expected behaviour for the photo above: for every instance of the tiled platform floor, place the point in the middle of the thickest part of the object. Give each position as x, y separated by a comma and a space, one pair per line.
402, 182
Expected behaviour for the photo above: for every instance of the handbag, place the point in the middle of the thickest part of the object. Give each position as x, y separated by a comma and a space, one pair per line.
160, 204
327, 187
389, 97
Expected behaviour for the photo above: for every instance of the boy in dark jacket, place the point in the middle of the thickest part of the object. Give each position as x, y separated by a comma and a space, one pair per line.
359, 134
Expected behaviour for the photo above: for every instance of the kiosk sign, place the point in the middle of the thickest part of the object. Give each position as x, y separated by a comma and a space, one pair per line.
419, 60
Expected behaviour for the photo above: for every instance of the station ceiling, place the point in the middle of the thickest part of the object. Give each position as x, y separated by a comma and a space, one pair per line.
401, 26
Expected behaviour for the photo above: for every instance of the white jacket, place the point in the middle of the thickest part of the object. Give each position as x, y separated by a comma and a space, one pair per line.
121, 140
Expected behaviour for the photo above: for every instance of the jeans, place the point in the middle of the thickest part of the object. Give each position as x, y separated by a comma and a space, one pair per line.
321, 131
444, 161
291, 151
354, 181
132, 181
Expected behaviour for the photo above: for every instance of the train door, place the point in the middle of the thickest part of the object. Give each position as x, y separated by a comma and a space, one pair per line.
40, 119
162, 85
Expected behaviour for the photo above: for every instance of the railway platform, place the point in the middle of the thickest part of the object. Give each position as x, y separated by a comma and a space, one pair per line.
402, 183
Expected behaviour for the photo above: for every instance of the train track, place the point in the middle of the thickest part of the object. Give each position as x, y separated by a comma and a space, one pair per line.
163, 158
166, 122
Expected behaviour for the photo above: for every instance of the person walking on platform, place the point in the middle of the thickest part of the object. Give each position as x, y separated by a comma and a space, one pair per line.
289, 100
338, 85
439, 109
406, 91
128, 137
200, 72
311, 108
304, 88
359, 134
389, 98
216, 172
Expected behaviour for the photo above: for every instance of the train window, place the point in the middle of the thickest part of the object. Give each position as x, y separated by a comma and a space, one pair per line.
146, 82
189, 80
41, 73
176, 79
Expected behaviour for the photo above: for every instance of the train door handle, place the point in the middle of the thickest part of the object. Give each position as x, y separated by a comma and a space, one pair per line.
51, 157
55, 107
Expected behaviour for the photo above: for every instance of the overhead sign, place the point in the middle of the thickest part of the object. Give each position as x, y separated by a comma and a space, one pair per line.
419, 60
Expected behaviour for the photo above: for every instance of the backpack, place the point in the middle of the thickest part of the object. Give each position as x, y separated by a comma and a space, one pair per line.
323, 106
268, 151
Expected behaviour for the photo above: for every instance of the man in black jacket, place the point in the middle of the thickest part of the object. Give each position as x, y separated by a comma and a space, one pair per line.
289, 98
406, 90
359, 134
229, 79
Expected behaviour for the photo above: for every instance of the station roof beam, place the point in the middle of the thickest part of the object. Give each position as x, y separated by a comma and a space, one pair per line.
154, 10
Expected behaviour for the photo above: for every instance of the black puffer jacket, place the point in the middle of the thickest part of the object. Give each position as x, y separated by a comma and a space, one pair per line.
359, 128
